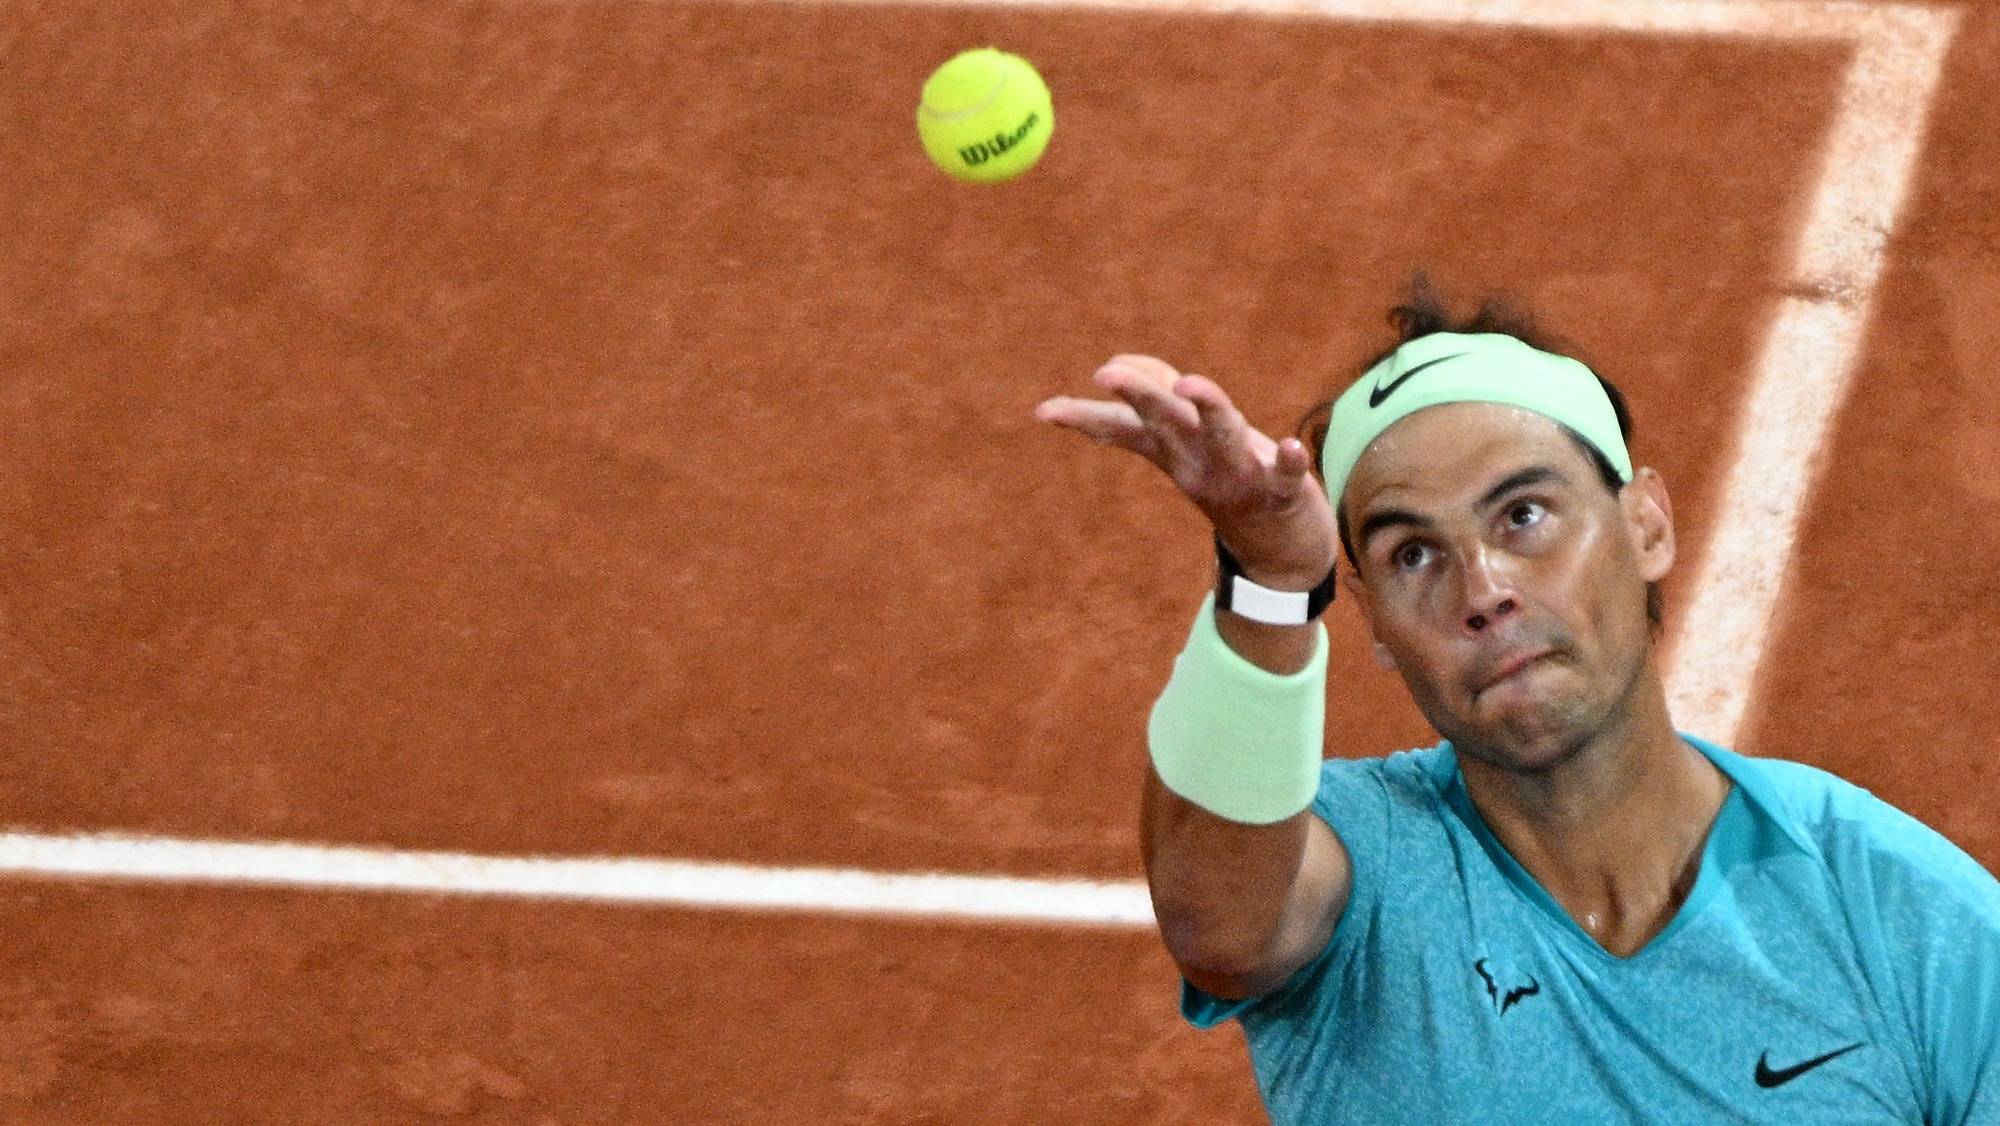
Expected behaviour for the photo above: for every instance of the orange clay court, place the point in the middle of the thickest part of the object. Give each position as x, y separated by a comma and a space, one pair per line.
591, 428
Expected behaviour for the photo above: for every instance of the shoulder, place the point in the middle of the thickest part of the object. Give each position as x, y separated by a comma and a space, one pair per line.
1924, 914
1403, 768
1819, 803
1400, 778
1364, 798
1862, 839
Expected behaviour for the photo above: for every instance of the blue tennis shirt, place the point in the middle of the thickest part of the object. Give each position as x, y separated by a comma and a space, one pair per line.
1836, 961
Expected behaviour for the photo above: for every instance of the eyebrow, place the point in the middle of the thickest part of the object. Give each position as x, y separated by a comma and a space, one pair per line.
1399, 517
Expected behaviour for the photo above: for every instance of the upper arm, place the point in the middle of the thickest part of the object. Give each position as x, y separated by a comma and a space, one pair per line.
1331, 904
1955, 978
1938, 914
1313, 907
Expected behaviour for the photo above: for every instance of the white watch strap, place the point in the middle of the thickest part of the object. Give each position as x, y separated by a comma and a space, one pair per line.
1262, 604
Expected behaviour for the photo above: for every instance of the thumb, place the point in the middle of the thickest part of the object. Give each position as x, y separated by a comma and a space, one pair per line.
1293, 458
1290, 466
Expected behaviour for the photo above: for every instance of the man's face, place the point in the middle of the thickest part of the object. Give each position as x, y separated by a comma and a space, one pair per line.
1503, 579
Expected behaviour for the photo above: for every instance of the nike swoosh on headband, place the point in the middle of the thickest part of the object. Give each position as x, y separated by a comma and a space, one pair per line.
1378, 395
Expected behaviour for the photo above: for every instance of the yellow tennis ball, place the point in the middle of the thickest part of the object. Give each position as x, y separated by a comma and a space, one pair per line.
985, 116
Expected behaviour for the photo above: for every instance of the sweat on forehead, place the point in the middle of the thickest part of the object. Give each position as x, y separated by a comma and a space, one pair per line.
1450, 367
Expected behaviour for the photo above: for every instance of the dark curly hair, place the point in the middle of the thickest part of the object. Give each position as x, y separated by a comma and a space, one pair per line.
1425, 311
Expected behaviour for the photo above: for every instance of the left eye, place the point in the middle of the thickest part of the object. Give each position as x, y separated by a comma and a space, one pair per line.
1525, 514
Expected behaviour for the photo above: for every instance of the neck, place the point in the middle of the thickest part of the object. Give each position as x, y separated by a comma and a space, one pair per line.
1615, 829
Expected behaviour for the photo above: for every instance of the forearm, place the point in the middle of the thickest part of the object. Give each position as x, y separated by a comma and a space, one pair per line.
1221, 889
1235, 860
1228, 893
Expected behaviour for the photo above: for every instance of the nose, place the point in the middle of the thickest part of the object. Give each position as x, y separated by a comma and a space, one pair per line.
1489, 593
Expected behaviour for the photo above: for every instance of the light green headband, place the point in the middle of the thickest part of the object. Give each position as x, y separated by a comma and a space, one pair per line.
1451, 367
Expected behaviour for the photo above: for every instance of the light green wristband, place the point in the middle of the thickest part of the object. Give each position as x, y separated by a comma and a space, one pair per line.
1234, 739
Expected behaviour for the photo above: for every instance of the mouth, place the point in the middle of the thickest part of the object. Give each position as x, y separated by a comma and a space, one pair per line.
1510, 667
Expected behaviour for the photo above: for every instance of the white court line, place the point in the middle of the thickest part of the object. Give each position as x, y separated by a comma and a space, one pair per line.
610, 879
1795, 393
1807, 365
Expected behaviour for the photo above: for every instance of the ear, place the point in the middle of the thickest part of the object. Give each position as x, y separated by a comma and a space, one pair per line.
1350, 581
1649, 521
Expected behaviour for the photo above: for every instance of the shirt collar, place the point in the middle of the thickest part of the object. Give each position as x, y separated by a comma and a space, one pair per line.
1745, 772
1757, 786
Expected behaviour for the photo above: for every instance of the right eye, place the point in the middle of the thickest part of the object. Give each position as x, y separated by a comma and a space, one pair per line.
1410, 556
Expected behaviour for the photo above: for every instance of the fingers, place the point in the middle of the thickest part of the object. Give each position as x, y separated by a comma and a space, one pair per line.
1146, 367
1111, 423
1147, 387
1222, 425
1282, 466
1184, 423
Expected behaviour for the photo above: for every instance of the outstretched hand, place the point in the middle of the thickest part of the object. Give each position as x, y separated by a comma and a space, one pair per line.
1260, 494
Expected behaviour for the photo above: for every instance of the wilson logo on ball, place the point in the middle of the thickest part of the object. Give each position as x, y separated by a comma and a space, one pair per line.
1001, 142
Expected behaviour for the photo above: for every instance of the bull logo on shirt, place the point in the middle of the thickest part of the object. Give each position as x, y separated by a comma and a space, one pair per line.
1504, 997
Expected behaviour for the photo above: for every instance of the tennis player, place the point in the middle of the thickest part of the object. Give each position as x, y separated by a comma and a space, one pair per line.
1566, 910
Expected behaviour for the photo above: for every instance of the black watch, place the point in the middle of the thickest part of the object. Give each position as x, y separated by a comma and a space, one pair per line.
1237, 594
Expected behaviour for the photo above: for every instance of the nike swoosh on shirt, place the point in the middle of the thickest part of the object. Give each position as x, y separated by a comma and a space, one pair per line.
1378, 394
1767, 1077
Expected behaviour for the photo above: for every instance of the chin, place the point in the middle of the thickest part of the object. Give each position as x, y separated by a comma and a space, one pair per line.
1528, 739
1539, 752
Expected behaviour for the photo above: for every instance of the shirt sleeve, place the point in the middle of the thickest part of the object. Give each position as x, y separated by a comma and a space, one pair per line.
1353, 800
1940, 913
